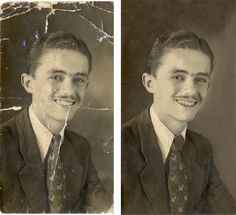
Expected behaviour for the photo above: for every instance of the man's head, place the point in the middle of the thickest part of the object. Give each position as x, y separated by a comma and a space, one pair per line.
176, 40
57, 40
179, 69
58, 69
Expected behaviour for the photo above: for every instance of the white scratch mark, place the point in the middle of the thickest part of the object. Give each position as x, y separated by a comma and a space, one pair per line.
4, 39
100, 38
17, 14
15, 108
100, 8
95, 109
65, 10
102, 35
46, 21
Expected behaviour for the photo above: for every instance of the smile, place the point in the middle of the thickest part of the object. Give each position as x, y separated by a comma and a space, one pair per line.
186, 103
64, 102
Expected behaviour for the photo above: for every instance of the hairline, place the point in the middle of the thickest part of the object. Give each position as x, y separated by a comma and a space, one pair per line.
166, 50
45, 50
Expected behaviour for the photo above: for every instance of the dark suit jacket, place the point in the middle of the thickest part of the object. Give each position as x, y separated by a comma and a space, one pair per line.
144, 187
22, 175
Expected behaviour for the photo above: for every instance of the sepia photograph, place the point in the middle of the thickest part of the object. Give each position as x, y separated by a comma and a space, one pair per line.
178, 102
56, 99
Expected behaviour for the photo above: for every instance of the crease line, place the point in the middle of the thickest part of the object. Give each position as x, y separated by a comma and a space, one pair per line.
100, 8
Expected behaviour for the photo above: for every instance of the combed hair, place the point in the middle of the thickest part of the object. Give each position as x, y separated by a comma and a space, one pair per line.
179, 39
57, 40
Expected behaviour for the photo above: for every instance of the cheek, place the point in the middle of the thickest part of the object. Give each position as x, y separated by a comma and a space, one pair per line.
45, 91
54, 87
203, 90
167, 90
203, 94
80, 93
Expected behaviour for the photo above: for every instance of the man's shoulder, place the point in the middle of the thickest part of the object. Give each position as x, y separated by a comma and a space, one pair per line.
136, 129
199, 141
137, 121
9, 125
76, 139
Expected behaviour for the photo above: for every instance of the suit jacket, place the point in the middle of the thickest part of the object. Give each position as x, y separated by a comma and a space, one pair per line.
144, 187
22, 173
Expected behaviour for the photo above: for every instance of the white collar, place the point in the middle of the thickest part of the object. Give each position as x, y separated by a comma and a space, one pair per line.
43, 135
164, 135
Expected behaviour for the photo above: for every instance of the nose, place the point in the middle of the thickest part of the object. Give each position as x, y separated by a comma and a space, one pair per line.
189, 87
67, 88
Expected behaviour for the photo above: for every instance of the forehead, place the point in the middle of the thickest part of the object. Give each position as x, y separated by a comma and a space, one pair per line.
185, 59
63, 59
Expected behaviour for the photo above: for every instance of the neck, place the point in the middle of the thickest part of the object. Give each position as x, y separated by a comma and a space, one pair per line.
175, 126
54, 126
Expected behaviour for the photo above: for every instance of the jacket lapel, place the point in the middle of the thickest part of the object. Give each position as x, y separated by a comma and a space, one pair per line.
153, 175
73, 171
195, 161
32, 174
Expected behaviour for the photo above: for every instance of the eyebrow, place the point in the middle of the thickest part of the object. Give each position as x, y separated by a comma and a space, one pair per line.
174, 71
65, 73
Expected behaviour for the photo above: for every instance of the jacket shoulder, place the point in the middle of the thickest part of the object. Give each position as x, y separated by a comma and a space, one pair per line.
11, 123
133, 124
9, 129
199, 141
77, 140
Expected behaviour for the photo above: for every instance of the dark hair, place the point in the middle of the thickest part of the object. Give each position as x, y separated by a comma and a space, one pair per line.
57, 40
179, 39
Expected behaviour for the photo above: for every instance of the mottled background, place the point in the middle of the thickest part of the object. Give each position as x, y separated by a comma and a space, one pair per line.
22, 23
214, 20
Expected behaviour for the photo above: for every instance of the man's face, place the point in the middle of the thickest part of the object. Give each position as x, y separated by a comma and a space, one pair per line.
59, 84
180, 84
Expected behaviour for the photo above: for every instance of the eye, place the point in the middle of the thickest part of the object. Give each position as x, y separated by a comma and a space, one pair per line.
179, 77
201, 80
56, 77
81, 80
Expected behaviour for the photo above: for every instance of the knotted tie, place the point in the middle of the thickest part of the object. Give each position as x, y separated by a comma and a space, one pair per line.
55, 177
177, 179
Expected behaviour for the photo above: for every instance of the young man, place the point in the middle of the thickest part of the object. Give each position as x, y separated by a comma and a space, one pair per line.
44, 166
167, 168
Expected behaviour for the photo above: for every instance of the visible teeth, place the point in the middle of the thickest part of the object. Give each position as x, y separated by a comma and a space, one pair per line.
63, 102
186, 103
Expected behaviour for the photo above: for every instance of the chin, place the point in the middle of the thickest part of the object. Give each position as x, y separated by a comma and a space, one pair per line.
185, 117
62, 116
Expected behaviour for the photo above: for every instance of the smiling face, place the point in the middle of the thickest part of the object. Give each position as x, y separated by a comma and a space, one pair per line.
58, 85
180, 85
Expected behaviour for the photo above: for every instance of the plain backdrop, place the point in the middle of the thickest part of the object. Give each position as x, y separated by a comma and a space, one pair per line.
215, 21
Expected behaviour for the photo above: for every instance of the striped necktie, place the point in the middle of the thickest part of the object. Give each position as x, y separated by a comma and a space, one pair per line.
177, 178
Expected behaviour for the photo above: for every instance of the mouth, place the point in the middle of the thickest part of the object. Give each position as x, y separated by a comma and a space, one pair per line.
187, 102
64, 102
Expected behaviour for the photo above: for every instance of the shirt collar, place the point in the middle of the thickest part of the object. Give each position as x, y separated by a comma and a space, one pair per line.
164, 135
43, 135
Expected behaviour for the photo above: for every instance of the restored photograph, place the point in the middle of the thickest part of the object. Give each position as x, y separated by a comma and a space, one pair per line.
56, 107
177, 62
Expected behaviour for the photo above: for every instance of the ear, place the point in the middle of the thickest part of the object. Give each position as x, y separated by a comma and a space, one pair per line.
27, 82
148, 82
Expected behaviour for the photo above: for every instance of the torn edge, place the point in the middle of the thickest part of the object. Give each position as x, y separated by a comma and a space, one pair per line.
49, 5
100, 8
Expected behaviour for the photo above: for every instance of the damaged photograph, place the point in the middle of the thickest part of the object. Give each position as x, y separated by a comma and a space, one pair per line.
178, 103
56, 99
